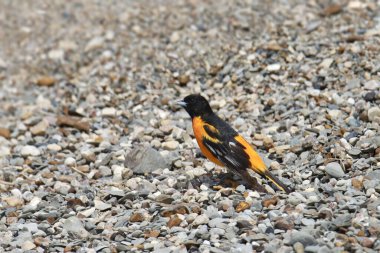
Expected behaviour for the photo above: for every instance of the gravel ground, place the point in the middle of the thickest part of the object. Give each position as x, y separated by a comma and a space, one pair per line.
96, 157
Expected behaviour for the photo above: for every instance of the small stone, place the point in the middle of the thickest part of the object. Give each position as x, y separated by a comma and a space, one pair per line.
28, 245
372, 85
100, 205
367, 242
70, 162
14, 201
242, 206
74, 225
162, 198
40, 128
374, 114
308, 222
170, 145
145, 160
105, 171
335, 170
136, 217
29, 150
94, 43
41, 241
326, 63
357, 183
84, 168
54, 147
62, 187
273, 67
184, 79
88, 154
152, 233
270, 201
284, 224
335, 114
4, 132
298, 247
46, 81
354, 151
332, 9
109, 112
174, 221
87, 213
75, 122
201, 219
302, 237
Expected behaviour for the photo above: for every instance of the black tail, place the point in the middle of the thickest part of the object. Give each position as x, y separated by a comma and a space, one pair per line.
276, 181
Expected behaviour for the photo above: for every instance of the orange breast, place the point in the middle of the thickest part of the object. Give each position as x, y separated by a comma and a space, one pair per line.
200, 133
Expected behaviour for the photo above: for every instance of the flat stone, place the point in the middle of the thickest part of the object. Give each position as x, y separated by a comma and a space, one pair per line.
145, 160
100, 205
302, 237
75, 226
170, 145
40, 128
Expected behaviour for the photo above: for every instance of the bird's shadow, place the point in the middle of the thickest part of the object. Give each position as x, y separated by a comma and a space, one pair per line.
226, 180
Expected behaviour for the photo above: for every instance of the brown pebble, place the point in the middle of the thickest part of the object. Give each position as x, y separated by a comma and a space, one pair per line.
41, 241
357, 183
152, 233
332, 9
284, 224
367, 242
84, 168
183, 79
174, 221
242, 206
73, 122
136, 217
4, 132
270, 201
46, 81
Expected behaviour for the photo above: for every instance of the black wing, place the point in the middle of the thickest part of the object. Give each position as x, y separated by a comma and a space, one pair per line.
226, 149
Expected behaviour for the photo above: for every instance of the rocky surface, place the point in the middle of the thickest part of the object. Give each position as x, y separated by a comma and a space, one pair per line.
96, 157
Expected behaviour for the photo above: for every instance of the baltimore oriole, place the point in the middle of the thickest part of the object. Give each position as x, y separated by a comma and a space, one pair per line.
221, 144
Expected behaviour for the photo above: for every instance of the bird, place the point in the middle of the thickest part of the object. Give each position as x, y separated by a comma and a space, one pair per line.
224, 146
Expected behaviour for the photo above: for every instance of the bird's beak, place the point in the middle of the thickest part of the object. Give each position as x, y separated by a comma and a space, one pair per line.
182, 103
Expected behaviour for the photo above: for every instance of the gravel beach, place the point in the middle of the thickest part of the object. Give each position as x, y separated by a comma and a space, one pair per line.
95, 155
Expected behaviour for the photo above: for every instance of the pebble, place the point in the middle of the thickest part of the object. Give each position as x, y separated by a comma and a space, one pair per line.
145, 160
109, 112
54, 147
100, 205
274, 67
70, 162
75, 226
29, 150
170, 145
372, 85
374, 114
201, 219
302, 237
334, 169
40, 128
62, 187
28, 245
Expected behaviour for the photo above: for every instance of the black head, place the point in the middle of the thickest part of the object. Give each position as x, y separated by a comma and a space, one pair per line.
195, 105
